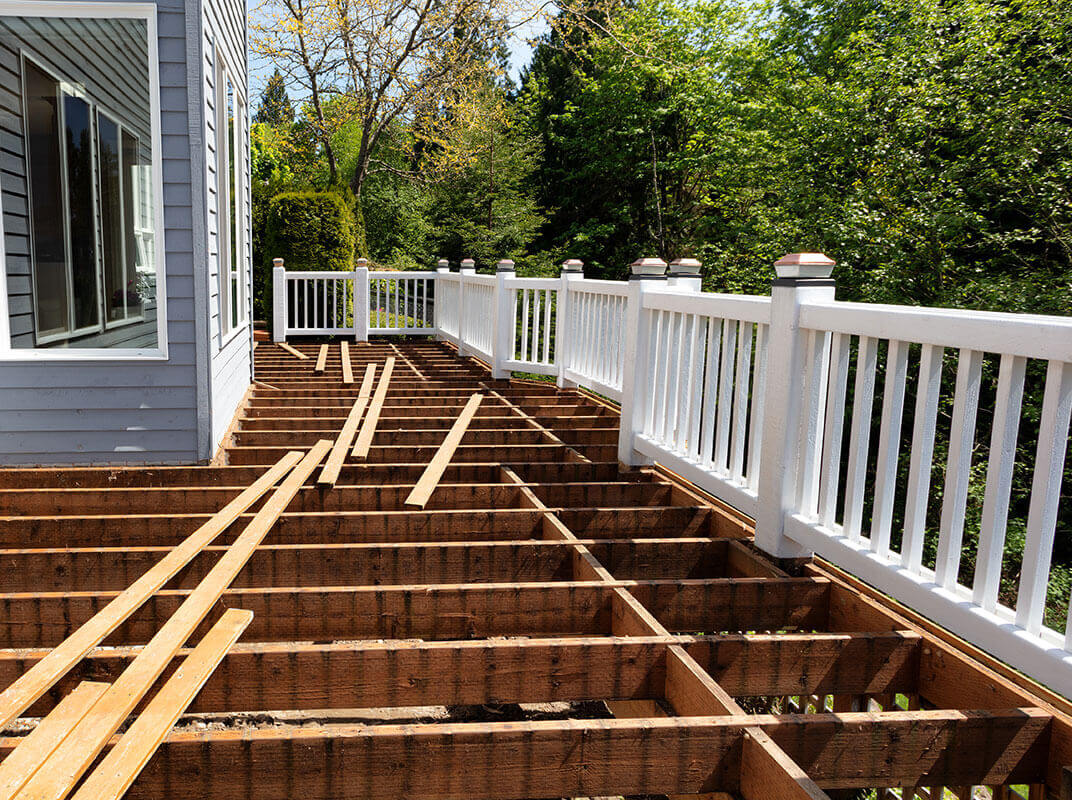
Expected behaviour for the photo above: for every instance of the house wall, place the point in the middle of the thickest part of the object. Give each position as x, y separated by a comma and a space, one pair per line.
230, 352
171, 410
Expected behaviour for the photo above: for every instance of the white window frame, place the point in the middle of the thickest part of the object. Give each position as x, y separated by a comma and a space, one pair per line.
230, 271
99, 10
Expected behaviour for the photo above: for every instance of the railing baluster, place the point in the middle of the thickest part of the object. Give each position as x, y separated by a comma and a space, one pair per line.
714, 351
999, 481
889, 445
830, 475
524, 324
810, 434
684, 406
665, 320
699, 329
725, 395
860, 436
548, 296
1045, 495
759, 390
919, 471
740, 401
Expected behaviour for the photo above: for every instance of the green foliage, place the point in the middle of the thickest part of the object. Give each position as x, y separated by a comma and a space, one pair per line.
311, 231
275, 108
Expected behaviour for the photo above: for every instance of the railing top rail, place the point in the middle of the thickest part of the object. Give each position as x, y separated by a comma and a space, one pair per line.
1028, 335
382, 274
710, 304
303, 274
480, 280
532, 283
591, 286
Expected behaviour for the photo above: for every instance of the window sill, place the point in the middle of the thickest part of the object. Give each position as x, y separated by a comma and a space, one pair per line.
30, 356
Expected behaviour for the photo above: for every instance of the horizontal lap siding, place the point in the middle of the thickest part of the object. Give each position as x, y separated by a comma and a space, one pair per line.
111, 411
225, 25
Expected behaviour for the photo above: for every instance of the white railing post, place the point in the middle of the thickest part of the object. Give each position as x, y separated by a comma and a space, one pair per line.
684, 275
802, 278
502, 328
442, 267
465, 269
572, 270
361, 301
279, 301
645, 274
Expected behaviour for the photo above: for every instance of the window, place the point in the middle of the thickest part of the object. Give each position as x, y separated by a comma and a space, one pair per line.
89, 249
230, 199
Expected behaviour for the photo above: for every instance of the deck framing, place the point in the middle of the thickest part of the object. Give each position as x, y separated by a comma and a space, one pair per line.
680, 660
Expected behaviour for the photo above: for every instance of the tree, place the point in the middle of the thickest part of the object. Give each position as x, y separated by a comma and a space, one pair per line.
301, 38
484, 206
275, 108
390, 58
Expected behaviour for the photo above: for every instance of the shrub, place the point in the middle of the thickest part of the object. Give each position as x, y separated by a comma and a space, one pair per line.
310, 231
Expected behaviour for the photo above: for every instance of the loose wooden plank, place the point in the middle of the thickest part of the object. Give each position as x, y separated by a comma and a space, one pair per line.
372, 418
767, 772
330, 473
74, 756
347, 367
114, 775
292, 351
321, 359
427, 483
38, 745
36, 681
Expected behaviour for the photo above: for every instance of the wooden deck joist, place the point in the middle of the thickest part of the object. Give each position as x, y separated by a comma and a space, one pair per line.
539, 572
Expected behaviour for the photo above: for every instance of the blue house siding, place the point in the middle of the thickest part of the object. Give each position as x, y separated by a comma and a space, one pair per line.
134, 411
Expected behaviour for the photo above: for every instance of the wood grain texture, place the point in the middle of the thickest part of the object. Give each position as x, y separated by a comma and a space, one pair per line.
113, 776
36, 681
767, 772
372, 418
34, 750
428, 481
292, 351
74, 756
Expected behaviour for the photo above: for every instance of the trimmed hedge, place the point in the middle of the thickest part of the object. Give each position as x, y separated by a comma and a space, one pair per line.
311, 231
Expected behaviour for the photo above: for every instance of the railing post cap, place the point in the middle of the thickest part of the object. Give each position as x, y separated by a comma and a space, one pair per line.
362, 262
443, 265
277, 263
685, 267
573, 265
804, 265
648, 268
505, 265
467, 264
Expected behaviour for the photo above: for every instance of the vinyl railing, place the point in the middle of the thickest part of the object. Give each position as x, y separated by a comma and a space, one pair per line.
893, 441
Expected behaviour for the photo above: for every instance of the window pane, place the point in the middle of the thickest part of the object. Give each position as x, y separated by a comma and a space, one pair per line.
86, 98
111, 219
135, 287
46, 201
80, 210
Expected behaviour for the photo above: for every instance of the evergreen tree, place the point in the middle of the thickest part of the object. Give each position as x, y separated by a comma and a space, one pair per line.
275, 108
